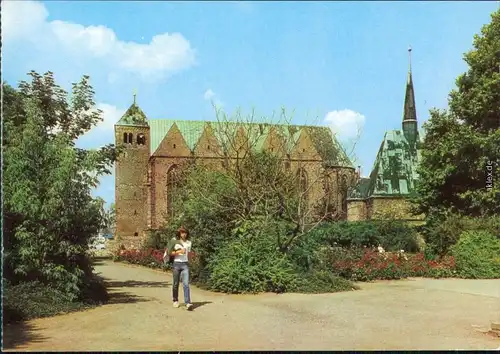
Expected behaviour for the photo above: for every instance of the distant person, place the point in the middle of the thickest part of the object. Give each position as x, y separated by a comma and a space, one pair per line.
179, 249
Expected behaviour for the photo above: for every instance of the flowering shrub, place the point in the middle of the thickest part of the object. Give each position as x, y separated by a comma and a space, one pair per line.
369, 264
150, 257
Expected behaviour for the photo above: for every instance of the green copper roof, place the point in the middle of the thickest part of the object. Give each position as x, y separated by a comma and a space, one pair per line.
324, 141
133, 116
191, 131
360, 190
394, 171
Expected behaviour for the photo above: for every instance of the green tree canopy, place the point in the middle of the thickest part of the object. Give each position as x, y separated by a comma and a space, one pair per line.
49, 212
461, 150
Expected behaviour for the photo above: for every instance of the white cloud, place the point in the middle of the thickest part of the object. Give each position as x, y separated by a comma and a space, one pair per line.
103, 132
166, 54
208, 95
211, 96
347, 124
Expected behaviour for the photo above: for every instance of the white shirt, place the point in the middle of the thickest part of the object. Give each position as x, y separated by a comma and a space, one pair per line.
186, 245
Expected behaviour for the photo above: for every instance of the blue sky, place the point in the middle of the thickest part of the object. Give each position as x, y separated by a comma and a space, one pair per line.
338, 63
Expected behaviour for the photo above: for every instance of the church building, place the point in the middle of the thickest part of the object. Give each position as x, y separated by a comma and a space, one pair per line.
384, 194
154, 149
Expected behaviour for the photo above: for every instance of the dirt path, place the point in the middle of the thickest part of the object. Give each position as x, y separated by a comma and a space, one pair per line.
410, 314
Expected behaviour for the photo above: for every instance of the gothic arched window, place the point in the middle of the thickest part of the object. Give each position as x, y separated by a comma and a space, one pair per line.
130, 138
172, 184
125, 138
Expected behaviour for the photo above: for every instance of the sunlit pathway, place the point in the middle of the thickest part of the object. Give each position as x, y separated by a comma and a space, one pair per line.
411, 314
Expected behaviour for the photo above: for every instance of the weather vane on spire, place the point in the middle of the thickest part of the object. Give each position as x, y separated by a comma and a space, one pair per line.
135, 94
409, 56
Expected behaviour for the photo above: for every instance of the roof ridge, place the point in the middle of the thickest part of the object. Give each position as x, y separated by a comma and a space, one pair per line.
243, 123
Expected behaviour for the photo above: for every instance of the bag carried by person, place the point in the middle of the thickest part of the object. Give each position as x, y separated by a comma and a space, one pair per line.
167, 257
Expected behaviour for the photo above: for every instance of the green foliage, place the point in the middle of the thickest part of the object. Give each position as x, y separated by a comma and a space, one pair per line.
252, 262
441, 233
477, 255
462, 144
347, 234
392, 235
320, 282
34, 299
396, 235
50, 214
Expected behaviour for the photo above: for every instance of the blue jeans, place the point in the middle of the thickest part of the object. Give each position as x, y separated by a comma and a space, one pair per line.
181, 271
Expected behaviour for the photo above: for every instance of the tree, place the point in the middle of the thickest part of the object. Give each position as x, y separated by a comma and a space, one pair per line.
49, 211
256, 182
461, 149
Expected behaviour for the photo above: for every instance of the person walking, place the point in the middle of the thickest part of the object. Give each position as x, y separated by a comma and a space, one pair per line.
180, 248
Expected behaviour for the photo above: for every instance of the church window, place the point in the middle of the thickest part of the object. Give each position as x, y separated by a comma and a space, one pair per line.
136, 234
141, 139
175, 146
172, 184
127, 138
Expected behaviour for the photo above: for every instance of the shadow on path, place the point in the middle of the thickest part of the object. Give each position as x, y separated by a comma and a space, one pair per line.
117, 295
18, 334
97, 261
135, 284
200, 304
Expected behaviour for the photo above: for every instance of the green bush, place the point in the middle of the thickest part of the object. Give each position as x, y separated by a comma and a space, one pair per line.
251, 263
477, 255
396, 235
33, 300
346, 234
321, 281
441, 233
393, 235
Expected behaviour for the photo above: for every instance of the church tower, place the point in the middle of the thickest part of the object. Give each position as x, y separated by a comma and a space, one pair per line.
410, 126
132, 133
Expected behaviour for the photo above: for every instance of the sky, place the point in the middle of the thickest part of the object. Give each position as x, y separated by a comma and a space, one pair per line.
341, 64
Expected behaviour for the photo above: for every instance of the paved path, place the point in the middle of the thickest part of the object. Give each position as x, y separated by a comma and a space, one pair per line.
407, 314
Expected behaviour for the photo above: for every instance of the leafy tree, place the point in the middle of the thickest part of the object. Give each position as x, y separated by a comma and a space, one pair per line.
259, 183
461, 148
49, 211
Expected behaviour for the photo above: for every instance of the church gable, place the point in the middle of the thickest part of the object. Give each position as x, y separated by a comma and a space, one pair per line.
173, 144
207, 144
274, 141
304, 148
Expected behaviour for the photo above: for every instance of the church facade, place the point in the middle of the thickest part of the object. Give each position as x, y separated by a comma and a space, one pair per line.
384, 194
153, 150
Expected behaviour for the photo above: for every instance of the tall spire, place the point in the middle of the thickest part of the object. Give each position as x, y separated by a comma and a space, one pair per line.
135, 95
410, 129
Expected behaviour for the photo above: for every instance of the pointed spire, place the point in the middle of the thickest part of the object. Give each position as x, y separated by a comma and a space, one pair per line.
410, 111
134, 115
